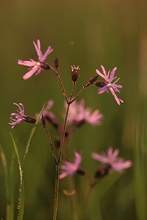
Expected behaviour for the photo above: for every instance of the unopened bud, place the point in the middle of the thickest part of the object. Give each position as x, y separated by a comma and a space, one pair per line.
56, 63
75, 72
45, 66
100, 84
93, 79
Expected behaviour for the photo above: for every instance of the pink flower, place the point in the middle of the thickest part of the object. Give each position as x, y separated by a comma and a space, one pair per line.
112, 159
19, 116
36, 66
69, 168
109, 84
78, 114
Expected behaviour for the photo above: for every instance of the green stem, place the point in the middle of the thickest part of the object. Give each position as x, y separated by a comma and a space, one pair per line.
74, 199
60, 82
80, 92
62, 139
51, 144
56, 192
65, 122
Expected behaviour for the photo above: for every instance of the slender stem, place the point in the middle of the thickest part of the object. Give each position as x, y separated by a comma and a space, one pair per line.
62, 139
56, 192
87, 201
74, 199
65, 122
61, 83
80, 92
51, 144
90, 185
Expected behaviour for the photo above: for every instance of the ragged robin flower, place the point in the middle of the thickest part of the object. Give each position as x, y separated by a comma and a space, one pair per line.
36, 66
112, 160
19, 116
68, 168
78, 115
109, 83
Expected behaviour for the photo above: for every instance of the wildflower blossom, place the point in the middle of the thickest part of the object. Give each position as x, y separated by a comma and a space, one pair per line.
116, 163
19, 116
78, 115
69, 168
109, 83
36, 66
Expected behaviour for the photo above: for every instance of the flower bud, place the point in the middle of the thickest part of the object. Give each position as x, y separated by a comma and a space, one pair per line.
93, 79
75, 73
56, 63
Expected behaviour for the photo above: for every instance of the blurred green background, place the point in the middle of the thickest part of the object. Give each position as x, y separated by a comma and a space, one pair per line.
89, 34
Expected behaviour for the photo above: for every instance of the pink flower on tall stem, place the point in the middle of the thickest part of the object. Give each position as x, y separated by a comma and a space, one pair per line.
36, 66
78, 114
68, 168
109, 83
111, 158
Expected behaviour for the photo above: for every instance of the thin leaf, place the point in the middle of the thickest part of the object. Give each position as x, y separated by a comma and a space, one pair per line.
32, 132
21, 196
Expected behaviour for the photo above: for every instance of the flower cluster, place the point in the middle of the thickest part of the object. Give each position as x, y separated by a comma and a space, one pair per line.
111, 160
76, 115
109, 83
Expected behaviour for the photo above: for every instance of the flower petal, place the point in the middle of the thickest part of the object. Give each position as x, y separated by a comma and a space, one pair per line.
30, 73
38, 49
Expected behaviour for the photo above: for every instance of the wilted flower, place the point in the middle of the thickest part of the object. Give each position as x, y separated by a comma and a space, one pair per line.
108, 84
19, 116
36, 66
75, 72
115, 163
69, 168
78, 114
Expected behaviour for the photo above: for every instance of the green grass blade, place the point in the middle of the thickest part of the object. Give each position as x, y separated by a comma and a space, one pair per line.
9, 185
21, 196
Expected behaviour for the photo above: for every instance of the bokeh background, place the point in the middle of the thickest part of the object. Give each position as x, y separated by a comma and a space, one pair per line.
89, 34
